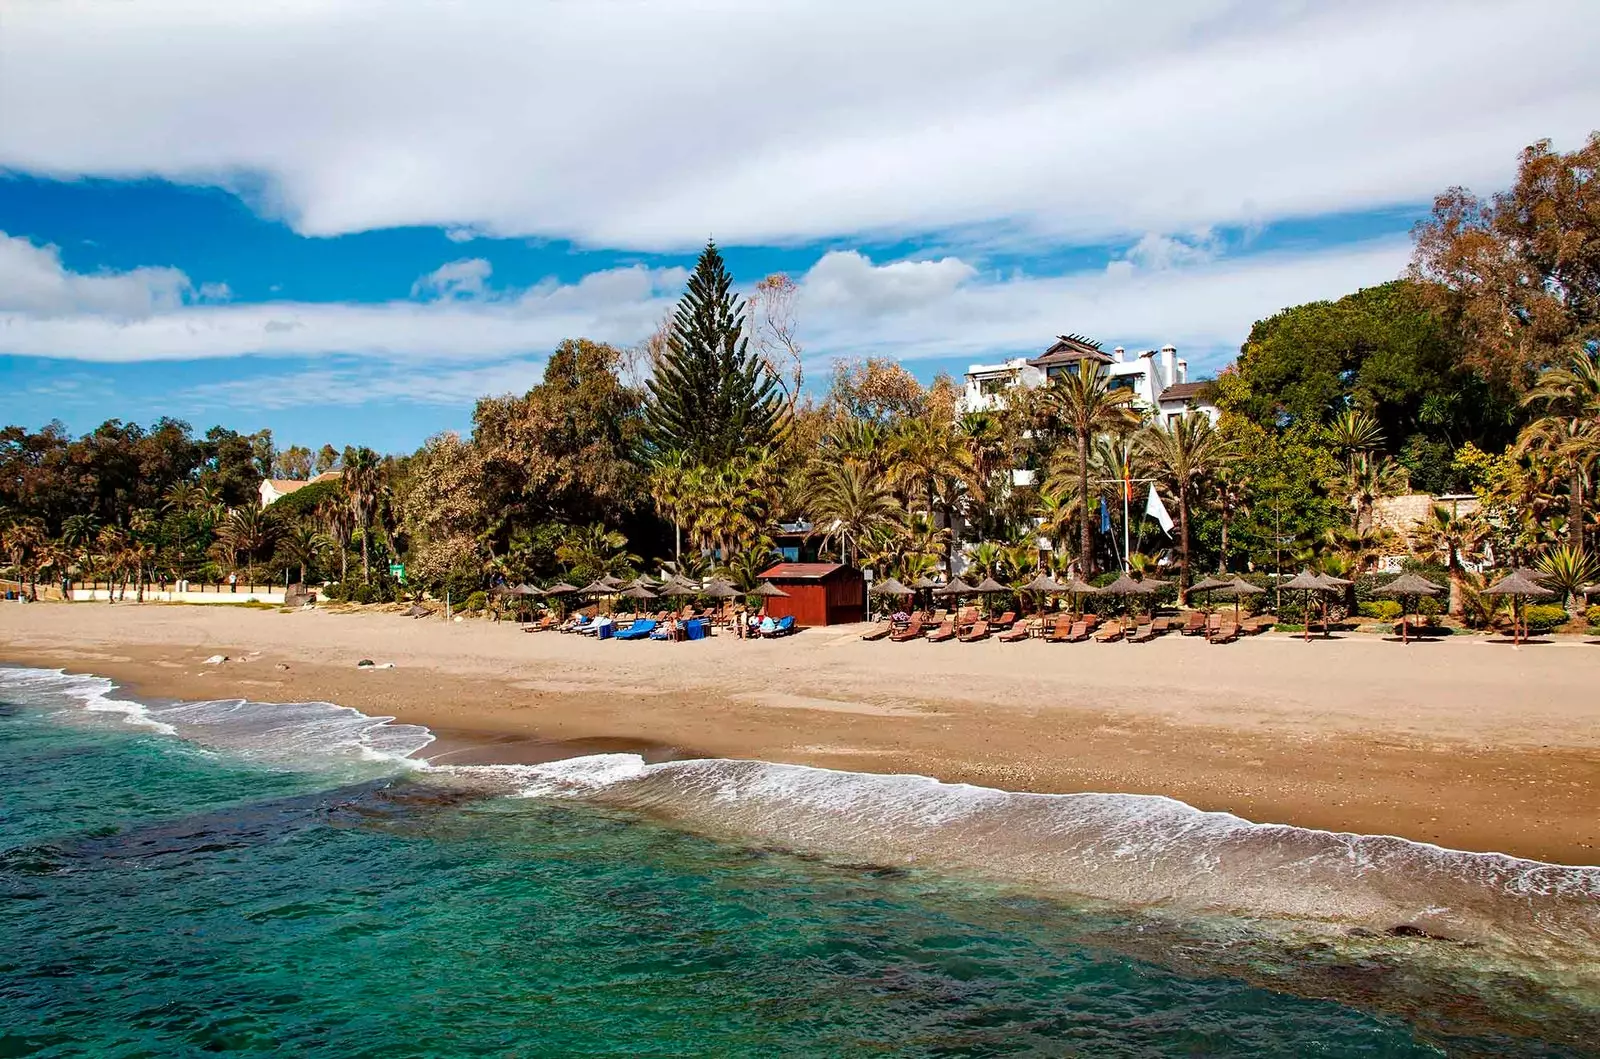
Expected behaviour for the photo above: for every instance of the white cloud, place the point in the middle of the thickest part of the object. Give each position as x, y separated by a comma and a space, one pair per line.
845, 282
34, 281
797, 120
444, 384
455, 279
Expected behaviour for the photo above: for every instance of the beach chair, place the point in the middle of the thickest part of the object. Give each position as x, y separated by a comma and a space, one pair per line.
637, 631
1213, 624
578, 623
979, 630
1091, 621
912, 631
697, 628
1195, 625
1063, 629
878, 632
1258, 624
946, 631
784, 626
1227, 632
1161, 626
1016, 632
1079, 632
1004, 621
1110, 634
1143, 634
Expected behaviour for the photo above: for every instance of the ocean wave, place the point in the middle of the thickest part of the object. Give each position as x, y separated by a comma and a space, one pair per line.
1142, 851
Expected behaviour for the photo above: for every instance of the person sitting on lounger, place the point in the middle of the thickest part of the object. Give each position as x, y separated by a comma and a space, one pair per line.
768, 626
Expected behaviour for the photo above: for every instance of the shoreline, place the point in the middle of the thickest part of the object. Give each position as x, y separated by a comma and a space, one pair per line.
1506, 779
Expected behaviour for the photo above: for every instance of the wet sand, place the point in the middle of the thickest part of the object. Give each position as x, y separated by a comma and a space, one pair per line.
1463, 743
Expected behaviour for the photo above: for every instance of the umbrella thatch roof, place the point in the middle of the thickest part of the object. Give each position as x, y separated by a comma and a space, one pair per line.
1046, 584
1208, 584
891, 587
721, 590
1127, 586
638, 592
767, 588
642, 581
560, 588
1334, 582
597, 588
1240, 587
612, 580
678, 588
1079, 587
1516, 584
989, 584
924, 582
956, 587
1306, 581
1409, 585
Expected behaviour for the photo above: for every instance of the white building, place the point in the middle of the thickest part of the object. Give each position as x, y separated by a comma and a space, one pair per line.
1159, 379
277, 488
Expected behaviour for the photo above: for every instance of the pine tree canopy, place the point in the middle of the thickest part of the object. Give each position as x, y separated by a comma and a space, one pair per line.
710, 397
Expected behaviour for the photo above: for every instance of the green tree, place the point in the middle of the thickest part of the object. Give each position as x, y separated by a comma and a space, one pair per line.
1452, 540
710, 396
1082, 404
849, 506
1185, 454
1569, 430
363, 472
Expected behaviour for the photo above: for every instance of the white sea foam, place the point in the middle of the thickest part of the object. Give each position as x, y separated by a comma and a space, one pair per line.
1133, 850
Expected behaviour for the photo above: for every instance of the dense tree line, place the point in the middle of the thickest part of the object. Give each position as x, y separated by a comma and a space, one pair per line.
1475, 374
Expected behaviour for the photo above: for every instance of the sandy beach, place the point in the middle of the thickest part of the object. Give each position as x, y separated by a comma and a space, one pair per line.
1463, 743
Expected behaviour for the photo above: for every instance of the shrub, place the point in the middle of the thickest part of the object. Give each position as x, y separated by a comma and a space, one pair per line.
366, 594
1542, 617
1382, 609
1593, 614
336, 591
475, 602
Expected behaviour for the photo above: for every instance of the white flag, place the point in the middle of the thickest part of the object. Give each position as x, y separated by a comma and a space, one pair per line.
1158, 511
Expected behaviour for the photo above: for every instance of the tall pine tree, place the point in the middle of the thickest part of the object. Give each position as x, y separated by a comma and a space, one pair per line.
710, 398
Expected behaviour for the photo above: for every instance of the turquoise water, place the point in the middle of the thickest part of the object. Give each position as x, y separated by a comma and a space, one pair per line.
158, 898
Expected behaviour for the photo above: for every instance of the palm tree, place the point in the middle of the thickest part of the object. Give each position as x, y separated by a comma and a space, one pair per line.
1452, 540
743, 570
849, 506
594, 551
929, 458
668, 481
1184, 453
1233, 498
21, 540
1570, 429
248, 531
1567, 570
1084, 404
362, 471
1366, 480
301, 546
1353, 432
338, 526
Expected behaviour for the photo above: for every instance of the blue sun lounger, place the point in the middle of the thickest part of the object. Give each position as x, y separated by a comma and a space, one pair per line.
637, 631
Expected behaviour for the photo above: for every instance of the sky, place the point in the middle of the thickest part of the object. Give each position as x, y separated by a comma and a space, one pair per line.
346, 221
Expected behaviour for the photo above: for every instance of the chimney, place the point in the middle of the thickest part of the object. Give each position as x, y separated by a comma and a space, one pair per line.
1183, 371
1169, 365
1116, 354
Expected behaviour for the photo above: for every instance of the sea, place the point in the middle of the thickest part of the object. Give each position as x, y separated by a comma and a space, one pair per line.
196, 878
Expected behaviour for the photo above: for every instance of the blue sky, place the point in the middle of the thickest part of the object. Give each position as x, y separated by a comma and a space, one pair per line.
345, 222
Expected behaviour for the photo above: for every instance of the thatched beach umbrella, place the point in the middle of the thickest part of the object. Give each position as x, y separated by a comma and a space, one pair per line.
1208, 585
1238, 588
1307, 582
720, 590
597, 588
772, 591
678, 588
637, 592
1127, 587
611, 580
1043, 585
956, 587
927, 584
1079, 588
560, 588
1404, 587
990, 587
891, 587
1519, 586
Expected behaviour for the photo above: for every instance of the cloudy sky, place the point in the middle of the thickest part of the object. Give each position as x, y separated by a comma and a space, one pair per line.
346, 220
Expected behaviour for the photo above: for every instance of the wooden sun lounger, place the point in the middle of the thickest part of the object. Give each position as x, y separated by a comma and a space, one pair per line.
1143, 634
1195, 625
1110, 634
882, 631
978, 631
1162, 626
1017, 632
1226, 633
912, 631
1059, 634
1259, 624
1004, 621
1213, 623
946, 631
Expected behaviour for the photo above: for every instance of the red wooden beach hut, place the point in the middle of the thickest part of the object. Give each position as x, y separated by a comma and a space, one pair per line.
818, 593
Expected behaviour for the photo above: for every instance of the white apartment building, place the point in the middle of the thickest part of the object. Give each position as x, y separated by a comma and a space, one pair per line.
1159, 379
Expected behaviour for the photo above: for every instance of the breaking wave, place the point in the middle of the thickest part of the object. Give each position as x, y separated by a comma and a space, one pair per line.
1138, 851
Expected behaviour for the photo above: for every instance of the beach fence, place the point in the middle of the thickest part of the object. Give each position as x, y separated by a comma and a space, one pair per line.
179, 592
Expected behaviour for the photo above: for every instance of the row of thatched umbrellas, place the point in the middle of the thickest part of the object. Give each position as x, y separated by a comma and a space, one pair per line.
644, 587
1042, 585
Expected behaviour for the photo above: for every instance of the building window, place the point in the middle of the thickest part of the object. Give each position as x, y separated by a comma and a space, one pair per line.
1061, 370
1125, 382
995, 385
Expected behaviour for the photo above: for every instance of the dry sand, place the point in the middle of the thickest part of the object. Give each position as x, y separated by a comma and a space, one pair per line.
1464, 743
